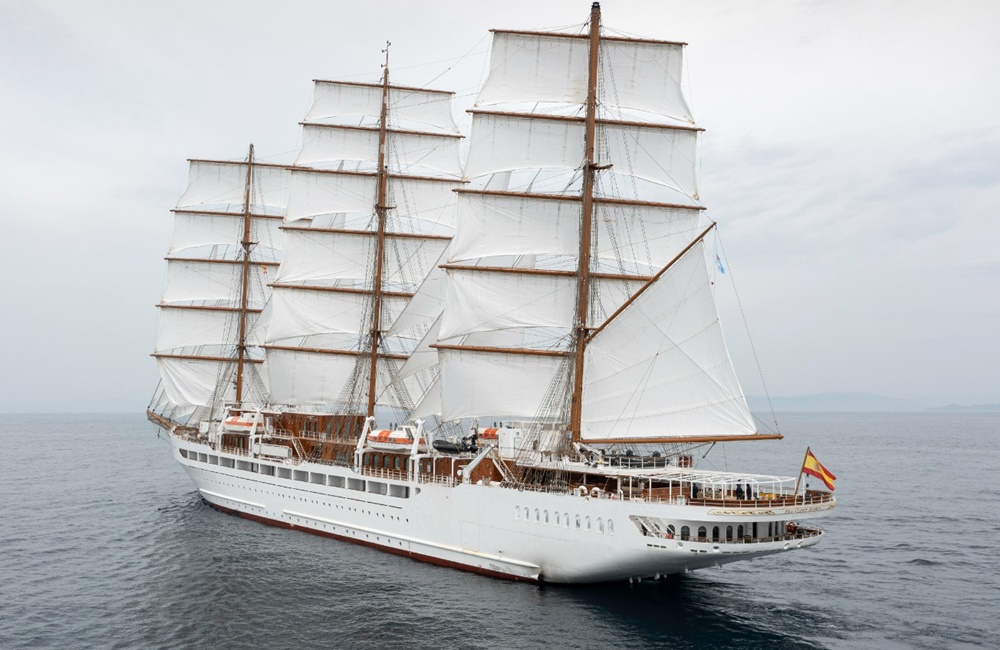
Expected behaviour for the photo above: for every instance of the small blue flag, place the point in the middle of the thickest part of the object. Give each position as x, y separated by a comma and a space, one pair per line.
718, 263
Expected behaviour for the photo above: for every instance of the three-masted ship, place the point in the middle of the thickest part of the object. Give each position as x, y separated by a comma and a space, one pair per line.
505, 367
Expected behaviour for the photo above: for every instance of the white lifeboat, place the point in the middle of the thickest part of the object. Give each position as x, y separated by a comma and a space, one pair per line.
393, 440
241, 423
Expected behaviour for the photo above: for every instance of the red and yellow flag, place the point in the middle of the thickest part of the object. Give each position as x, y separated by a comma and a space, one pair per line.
812, 467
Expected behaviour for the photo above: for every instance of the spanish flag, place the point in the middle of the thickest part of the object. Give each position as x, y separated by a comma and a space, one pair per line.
812, 467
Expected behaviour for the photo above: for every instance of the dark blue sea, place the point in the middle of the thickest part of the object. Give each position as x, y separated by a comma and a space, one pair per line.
104, 543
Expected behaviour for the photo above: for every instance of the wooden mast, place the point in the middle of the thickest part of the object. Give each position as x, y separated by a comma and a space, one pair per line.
583, 271
247, 245
380, 211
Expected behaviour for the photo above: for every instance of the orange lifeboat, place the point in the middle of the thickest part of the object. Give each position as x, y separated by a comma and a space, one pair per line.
489, 435
392, 440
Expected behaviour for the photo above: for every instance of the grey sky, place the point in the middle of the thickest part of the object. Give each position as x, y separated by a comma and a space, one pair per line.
852, 159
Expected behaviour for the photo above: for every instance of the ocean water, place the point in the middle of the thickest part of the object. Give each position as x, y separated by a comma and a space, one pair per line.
104, 543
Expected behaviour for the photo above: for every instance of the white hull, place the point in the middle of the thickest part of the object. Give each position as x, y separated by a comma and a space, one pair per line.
483, 528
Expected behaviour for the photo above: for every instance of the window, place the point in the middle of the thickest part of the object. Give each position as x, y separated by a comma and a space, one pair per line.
398, 462
557, 519
578, 522
538, 517
387, 461
739, 532
670, 530
566, 518
600, 525
685, 532
611, 527
702, 534
517, 512
715, 533
546, 516
729, 532
588, 523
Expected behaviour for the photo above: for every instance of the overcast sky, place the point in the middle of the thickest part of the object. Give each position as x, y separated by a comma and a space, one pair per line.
852, 159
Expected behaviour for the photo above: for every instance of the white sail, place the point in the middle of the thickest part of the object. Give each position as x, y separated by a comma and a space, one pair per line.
638, 237
413, 153
319, 257
303, 312
307, 377
510, 385
430, 402
222, 186
337, 99
187, 327
643, 75
536, 68
640, 75
196, 229
196, 280
426, 305
495, 225
505, 142
633, 235
487, 301
191, 382
312, 194
661, 368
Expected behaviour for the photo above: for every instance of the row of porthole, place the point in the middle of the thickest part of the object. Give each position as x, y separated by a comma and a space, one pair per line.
323, 503
563, 519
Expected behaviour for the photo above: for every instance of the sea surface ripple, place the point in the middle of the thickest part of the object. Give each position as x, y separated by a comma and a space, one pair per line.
104, 543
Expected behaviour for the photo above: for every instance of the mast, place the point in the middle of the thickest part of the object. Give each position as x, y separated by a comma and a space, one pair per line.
380, 210
245, 284
583, 281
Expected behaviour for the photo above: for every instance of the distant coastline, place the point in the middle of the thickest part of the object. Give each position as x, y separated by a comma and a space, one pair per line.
854, 402
967, 407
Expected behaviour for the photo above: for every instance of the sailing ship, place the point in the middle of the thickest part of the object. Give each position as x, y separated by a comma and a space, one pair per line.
507, 367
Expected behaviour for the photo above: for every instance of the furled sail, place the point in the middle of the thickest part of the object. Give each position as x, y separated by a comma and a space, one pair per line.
322, 331
203, 308
559, 148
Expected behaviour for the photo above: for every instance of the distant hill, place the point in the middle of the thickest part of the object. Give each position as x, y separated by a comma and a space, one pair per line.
967, 407
835, 402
